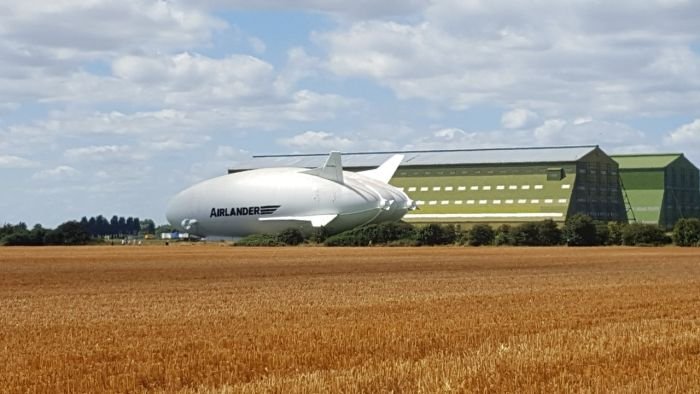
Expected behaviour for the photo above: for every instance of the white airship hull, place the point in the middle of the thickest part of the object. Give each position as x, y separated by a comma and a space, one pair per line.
274, 199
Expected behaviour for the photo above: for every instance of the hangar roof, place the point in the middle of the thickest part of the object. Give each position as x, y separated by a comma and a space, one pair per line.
645, 160
560, 154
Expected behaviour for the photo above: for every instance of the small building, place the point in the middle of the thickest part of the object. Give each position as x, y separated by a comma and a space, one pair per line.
494, 186
660, 188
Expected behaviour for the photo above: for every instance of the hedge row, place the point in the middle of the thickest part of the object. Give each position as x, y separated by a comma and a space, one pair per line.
578, 230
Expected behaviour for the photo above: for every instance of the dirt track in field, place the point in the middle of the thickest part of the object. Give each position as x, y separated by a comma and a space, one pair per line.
211, 318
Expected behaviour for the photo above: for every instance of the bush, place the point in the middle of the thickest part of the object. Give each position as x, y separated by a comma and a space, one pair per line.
480, 234
526, 234
373, 234
580, 230
549, 233
68, 233
290, 236
435, 234
643, 234
504, 235
686, 232
259, 240
602, 233
615, 233
318, 235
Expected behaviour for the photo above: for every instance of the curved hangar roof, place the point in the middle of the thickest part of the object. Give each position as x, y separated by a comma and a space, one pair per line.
563, 154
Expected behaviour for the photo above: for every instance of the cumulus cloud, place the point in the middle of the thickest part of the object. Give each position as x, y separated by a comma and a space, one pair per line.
688, 134
73, 28
10, 161
557, 59
349, 9
317, 140
518, 118
101, 153
57, 174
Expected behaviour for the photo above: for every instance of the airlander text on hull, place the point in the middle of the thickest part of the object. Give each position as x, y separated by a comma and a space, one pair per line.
242, 211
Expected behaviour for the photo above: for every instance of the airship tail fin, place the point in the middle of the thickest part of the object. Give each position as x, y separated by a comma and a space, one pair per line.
332, 170
385, 171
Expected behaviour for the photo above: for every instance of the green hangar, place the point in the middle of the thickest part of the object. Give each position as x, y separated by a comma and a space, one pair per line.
491, 185
660, 188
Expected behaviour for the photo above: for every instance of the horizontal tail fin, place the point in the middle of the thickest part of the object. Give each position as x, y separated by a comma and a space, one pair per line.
385, 171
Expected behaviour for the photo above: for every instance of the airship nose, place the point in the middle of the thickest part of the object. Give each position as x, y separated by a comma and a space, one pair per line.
175, 213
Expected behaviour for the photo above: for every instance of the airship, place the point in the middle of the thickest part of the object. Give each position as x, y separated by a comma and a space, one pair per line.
270, 200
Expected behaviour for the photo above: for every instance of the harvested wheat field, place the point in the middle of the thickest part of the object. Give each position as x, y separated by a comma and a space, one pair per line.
210, 318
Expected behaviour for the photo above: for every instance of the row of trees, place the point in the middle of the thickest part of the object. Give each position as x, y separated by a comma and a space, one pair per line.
68, 233
117, 226
73, 232
578, 230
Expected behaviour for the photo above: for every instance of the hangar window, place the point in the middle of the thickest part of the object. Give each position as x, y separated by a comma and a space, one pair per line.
509, 201
566, 186
500, 187
459, 202
448, 188
487, 188
444, 202
538, 187
470, 202
513, 187
436, 188
474, 188
420, 202
562, 201
412, 189
555, 174
522, 201
548, 201
424, 189
462, 188
482, 202
432, 202
496, 202
525, 187
535, 201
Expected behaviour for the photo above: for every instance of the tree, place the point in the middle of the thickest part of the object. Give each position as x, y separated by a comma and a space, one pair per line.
68, 233
148, 226
480, 234
435, 234
643, 234
580, 230
615, 233
114, 225
686, 232
504, 235
290, 236
549, 233
527, 234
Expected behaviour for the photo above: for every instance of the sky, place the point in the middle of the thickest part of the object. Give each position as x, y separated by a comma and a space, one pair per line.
112, 107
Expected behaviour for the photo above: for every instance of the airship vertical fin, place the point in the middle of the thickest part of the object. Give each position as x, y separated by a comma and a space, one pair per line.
332, 170
385, 171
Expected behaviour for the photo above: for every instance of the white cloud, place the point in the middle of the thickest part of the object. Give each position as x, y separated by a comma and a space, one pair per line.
340, 8
518, 118
57, 174
557, 59
68, 29
101, 153
257, 45
10, 161
317, 140
686, 135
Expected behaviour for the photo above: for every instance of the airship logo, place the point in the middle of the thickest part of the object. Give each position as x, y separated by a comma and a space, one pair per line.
243, 211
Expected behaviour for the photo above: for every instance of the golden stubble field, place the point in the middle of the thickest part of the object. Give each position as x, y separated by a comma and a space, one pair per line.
209, 318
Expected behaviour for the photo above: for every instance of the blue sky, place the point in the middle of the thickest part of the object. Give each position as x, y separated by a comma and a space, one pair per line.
112, 107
